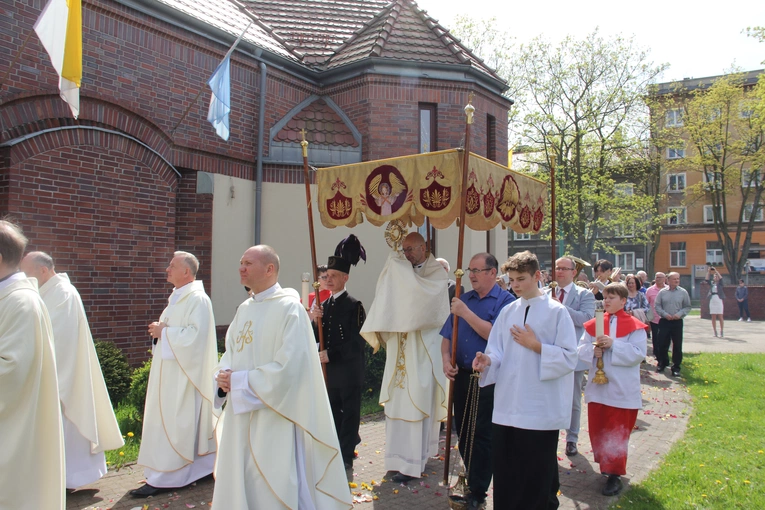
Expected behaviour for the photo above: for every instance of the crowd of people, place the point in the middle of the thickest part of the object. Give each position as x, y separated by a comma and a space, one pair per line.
517, 372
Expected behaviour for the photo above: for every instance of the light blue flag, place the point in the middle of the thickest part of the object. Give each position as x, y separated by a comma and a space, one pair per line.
220, 101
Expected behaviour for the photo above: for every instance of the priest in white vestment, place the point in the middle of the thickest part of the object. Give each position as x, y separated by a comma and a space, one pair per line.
90, 427
278, 448
31, 442
178, 442
408, 311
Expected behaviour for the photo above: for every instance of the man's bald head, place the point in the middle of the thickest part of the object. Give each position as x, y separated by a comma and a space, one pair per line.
444, 263
414, 248
38, 264
259, 268
12, 246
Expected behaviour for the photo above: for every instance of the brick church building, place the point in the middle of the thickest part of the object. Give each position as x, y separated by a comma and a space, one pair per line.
113, 193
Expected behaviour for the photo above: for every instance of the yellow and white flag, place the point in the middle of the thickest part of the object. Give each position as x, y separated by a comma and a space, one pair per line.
59, 28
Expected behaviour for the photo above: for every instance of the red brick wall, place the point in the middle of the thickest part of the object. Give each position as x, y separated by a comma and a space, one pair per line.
105, 210
108, 208
730, 306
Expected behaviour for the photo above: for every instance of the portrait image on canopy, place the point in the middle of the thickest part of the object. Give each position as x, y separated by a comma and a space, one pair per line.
386, 190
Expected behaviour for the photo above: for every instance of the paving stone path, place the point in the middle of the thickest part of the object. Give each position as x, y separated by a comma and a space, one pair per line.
663, 420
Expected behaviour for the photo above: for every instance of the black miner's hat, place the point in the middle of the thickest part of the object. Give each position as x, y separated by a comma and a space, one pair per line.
347, 253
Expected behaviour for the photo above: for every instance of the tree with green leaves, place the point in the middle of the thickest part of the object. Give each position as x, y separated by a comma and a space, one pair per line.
583, 105
722, 137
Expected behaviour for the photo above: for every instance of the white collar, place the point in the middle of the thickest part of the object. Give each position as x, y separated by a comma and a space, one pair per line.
337, 295
19, 275
262, 296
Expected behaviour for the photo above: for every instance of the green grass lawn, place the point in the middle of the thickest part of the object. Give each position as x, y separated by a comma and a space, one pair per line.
720, 462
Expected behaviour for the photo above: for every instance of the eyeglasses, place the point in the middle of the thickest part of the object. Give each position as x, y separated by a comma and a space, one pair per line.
325, 277
476, 271
410, 249
564, 268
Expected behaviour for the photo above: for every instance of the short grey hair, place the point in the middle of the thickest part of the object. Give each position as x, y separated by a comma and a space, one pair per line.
444, 263
190, 260
40, 258
13, 242
269, 256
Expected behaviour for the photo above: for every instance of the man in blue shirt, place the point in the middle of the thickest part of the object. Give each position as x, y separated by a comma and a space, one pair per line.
477, 310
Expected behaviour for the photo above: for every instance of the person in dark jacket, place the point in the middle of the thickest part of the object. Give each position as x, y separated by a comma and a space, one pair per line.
342, 316
742, 299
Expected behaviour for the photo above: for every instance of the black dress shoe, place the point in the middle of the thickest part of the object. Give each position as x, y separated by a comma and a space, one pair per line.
402, 478
613, 486
149, 490
571, 450
676, 372
473, 501
660, 369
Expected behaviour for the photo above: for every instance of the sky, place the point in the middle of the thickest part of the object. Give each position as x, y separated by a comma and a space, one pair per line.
697, 39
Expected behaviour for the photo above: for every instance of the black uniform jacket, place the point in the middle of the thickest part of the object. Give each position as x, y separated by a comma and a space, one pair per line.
341, 325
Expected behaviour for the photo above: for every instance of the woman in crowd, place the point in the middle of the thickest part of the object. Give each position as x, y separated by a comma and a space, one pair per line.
637, 303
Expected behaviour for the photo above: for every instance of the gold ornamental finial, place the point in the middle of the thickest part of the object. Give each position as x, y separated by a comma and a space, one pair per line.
304, 143
469, 108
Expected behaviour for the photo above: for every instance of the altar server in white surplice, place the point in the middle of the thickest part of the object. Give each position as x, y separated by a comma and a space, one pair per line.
410, 306
90, 427
277, 442
530, 358
178, 443
31, 436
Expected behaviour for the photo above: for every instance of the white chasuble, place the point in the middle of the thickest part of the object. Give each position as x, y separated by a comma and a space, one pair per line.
90, 427
31, 442
178, 443
277, 449
407, 314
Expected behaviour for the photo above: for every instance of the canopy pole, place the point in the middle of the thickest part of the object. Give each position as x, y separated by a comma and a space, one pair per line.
314, 266
469, 110
553, 239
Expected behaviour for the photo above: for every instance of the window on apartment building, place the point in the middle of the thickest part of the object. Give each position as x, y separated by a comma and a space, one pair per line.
674, 153
427, 127
677, 254
622, 231
521, 237
712, 180
625, 260
491, 138
745, 109
677, 216
709, 215
751, 178
748, 213
624, 188
676, 183
714, 252
674, 118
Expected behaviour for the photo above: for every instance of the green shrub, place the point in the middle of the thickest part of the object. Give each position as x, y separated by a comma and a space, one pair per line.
116, 370
375, 366
128, 419
139, 382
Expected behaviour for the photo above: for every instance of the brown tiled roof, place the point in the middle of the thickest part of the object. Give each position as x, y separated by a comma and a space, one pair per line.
225, 16
322, 124
315, 27
403, 31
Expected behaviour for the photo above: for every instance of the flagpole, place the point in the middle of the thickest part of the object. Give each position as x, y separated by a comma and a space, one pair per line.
469, 109
314, 266
202, 88
15, 60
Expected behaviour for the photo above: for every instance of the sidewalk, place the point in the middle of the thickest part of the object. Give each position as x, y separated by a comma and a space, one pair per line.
661, 422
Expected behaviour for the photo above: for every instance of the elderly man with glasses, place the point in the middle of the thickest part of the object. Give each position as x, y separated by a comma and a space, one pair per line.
477, 310
580, 304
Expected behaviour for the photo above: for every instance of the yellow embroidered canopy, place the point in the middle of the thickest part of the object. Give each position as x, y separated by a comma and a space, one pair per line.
409, 188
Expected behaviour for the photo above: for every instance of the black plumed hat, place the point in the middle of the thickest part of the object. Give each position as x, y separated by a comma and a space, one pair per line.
347, 253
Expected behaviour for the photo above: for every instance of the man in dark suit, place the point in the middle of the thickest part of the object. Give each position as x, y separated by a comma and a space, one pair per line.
451, 284
580, 303
342, 316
